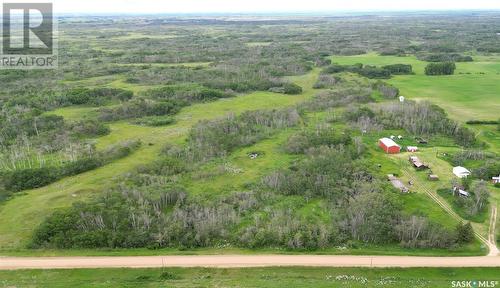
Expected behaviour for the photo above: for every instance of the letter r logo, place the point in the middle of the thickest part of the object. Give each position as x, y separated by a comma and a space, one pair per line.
27, 28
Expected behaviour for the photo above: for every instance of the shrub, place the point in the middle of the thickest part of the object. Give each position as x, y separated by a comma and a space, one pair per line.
483, 122
30, 178
141, 108
155, 121
387, 90
444, 57
399, 69
80, 166
443, 68
90, 128
465, 233
97, 96
326, 81
292, 89
375, 72
188, 93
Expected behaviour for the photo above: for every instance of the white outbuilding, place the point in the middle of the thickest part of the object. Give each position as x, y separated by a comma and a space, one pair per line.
496, 179
412, 148
461, 172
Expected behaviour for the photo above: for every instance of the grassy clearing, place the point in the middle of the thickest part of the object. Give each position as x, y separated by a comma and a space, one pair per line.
31, 207
467, 95
247, 277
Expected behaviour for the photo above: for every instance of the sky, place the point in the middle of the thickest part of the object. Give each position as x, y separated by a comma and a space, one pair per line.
261, 6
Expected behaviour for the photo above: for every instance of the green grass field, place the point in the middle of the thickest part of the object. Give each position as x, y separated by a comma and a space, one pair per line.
465, 96
247, 277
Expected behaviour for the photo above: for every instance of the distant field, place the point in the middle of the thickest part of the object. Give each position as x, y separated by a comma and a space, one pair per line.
464, 96
248, 277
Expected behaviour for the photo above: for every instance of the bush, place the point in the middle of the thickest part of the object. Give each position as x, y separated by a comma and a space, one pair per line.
188, 93
375, 72
216, 138
90, 128
444, 68
30, 178
443, 57
366, 71
97, 96
388, 91
35, 178
326, 81
399, 69
465, 233
80, 166
155, 121
292, 89
483, 122
323, 136
140, 108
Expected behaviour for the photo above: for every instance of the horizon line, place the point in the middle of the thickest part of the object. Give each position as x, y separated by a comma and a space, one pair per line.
278, 13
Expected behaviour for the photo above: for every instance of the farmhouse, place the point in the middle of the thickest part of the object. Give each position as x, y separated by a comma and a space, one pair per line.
389, 146
412, 149
397, 183
417, 163
461, 172
496, 179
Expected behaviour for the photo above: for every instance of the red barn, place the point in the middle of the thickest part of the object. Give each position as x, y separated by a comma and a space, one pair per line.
389, 146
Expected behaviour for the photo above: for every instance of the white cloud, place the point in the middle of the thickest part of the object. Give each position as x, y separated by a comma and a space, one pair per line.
234, 6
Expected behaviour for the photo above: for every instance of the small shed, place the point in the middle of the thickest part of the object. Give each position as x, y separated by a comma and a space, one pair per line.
433, 177
461, 172
412, 149
417, 163
458, 191
496, 179
389, 146
421, 140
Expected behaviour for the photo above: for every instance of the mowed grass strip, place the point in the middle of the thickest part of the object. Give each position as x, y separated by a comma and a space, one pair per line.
248, 277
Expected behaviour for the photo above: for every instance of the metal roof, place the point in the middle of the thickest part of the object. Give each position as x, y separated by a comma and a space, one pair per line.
389, 142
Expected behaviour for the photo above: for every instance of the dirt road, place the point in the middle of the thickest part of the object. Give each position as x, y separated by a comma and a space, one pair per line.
233, 261
491, 233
